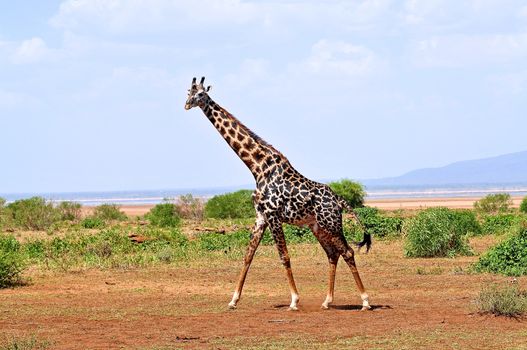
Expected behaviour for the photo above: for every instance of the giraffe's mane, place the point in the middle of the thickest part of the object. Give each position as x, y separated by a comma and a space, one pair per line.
252, 133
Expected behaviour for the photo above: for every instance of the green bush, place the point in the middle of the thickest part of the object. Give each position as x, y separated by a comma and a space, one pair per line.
92, 222
508, 300
109, 212
2, 202
34, 213
351, 191
217, 241
501, 223
508, 257
523, 205
376, 223
6, 217
467, 222
11, 262
69, 211
233, 205
494, 203
164, 215
435, 232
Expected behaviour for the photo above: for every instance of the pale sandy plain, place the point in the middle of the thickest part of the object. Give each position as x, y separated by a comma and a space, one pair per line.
384, 204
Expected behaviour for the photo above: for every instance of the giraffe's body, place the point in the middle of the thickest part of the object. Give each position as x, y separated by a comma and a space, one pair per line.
282, 195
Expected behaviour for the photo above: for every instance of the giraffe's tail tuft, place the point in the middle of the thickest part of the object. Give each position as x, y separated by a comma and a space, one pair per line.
366, 241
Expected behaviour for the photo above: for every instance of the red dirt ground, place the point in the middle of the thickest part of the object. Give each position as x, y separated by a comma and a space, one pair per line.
418, 304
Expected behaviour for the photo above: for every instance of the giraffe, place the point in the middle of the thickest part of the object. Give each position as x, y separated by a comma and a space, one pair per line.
282, 195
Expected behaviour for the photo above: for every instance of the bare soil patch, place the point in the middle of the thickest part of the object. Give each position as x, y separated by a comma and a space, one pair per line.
418, 303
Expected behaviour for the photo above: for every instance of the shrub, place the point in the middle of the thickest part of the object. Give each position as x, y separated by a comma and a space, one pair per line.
190, 207
164, 215
505, 301
6, 216
69, 211
34, 213
435, 232
500, 223
494, 203
11, 263
351, 191
216, 241
467, 222
508, 257
523, 205
109, 212
375, 223
92, 222
233, 205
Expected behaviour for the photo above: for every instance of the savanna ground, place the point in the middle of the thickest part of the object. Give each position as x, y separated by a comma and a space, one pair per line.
418, 303
182, 304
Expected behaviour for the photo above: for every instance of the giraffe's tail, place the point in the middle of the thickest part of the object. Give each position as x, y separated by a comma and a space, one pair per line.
366, 240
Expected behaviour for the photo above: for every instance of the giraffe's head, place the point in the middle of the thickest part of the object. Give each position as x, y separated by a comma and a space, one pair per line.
197, 94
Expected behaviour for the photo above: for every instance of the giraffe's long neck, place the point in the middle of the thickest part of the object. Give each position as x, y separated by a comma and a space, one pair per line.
259, 156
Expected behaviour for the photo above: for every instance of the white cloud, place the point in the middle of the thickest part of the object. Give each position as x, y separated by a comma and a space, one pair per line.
31, 51
340, 58
469, 50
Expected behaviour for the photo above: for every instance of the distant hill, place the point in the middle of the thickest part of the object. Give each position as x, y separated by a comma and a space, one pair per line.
504, 169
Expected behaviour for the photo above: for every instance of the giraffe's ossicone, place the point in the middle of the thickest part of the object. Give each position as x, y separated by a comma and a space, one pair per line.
282, 195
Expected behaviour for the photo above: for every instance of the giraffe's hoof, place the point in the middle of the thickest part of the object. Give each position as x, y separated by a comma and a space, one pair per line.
292, 308
366, 308
324, 307
232, 307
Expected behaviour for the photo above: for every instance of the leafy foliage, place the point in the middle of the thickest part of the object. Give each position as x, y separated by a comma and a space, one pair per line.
376, 223
494, 203
164, 215
523, 205
11, 262
92, 222
467, 222
353, 192
508, 257
502, 301
501, 223
109, 212
69, 211
34, 213
435, 232
233, 205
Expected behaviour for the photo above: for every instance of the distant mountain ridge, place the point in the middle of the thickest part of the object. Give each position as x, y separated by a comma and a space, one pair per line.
505, 169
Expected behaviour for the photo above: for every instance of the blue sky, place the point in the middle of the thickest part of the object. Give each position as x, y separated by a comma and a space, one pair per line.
92, 91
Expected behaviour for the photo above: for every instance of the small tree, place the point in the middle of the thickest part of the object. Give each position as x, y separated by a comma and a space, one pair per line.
494, 203
190, 207
34, 213
164, 215
233, 205
436, 232
353, 192
108, 212
523, 205
69, 211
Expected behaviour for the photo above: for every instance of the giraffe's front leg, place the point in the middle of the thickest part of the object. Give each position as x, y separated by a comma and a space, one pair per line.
256, 237
278, 236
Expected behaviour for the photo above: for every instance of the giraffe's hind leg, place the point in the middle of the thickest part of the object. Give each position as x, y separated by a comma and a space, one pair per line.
256, 237
333, 257
349, 258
